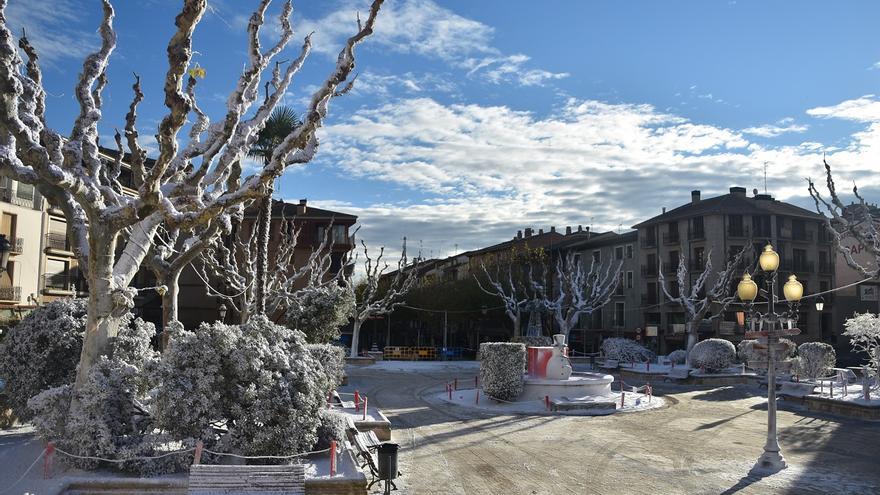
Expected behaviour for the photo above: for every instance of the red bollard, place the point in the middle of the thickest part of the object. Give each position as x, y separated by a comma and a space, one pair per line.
449, 389
547, 402
47, 460
365, 407
478, 396
332, 457
455, 384
357, 401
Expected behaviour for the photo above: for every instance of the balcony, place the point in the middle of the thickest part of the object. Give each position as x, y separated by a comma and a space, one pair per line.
671, 238
648, 242
696, 235
649, 270
58, 282
737, 232
800, 236
10, 294
670, 268
806, 267
6, 194
57, 241
17, 245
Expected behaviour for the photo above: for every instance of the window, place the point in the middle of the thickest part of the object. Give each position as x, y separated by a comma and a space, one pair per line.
339, 234
673, 260
699, 258
798, 229
620, 284
619, 314
597, 256
56, 238
597, 319
7, 226
629, 251
761, 226
629, 280
735, 226
25, 191
697, 224
56, 275
618, 253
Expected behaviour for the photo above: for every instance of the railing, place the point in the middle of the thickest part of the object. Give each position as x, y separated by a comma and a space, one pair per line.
798, 267
59, 281
18, 245
10, 294
648, 242
6, 194
649, 271
669, 238
737, 231
55, 240
670, 268
696, 234
806, 236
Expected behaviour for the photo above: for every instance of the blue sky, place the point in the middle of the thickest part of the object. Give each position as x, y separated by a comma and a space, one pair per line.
471, 120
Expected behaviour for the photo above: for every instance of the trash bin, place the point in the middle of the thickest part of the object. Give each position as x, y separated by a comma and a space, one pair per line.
387, 453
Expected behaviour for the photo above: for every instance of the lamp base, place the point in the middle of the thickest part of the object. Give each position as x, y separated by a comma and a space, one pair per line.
770, 462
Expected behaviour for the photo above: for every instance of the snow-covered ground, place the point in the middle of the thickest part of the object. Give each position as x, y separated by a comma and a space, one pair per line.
391, 365
854, 393
632, 402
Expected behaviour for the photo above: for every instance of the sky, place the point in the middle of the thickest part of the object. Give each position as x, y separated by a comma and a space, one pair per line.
472, 120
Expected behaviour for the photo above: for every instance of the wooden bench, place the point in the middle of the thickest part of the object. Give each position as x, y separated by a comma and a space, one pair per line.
207, 479
364, 443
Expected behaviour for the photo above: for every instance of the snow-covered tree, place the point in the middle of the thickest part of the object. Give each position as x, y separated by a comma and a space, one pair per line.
579, 291
697, 299
320, 311
815, 359
520, 281
855, 221
626, 350
378, 293
712, 354
863, 331
189, 188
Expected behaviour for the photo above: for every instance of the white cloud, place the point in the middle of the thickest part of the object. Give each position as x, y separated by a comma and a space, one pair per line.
422, 27
52, 28
784, 126
864, 109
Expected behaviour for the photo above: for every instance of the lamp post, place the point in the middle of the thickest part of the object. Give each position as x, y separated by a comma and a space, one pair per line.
747, 290
5, 249
820, 304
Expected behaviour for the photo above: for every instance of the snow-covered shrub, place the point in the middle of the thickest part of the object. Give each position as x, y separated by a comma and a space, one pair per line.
533, 340
815, 359
42, 352
319, 312
501, 369
331, 426
258, 383
713, 354
331, 359
863, 331
626, 350
678, 356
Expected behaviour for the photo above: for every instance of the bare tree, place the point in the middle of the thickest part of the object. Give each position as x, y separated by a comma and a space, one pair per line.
854, 221
515, 284
378, 293
189, 188
580, 291
697, 299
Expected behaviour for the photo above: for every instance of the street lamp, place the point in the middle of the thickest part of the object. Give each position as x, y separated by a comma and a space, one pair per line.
222, 310
820, 303
747, 290
5, 249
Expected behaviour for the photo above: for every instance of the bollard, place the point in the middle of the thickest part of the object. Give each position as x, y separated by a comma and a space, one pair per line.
365, 408
197, 457
648, 366
478, 396
867, 390
831, 389
357, 401
332, 457
477, 381
622, 396
547, 402
673, 364
449, 389
47, 460
797, 378
455, 384
845, 390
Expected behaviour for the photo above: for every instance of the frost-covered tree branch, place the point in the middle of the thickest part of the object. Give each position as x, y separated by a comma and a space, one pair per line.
378, 293
517, 288
854, 221
697, 299
190, 188
579, 291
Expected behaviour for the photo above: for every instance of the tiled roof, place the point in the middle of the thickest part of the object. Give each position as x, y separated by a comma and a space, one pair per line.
733, 204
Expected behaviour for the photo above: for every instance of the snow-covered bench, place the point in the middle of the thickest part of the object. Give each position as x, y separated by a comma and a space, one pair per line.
206, 479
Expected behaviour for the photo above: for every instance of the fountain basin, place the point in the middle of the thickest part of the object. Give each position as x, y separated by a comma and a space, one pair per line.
576, 386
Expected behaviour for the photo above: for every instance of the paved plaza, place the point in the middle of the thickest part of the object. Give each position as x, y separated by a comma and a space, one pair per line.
704, 442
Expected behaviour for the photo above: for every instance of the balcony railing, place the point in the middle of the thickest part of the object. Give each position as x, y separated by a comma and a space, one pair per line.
10, 294
733, 231
671, 238
798, 267
649, 270
6, 194
670, 268
18, 245
55, 240
59, 281
694, 235
648, 242
805, 236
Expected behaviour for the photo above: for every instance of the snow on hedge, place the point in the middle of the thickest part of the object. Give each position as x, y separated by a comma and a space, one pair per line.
713, 354
319, 312
815, 360
678, 356
42, 351
626, 350
502, 365
331, 426
863, 331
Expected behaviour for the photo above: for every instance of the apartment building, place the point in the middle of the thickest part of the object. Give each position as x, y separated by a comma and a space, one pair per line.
22, 222
717, 228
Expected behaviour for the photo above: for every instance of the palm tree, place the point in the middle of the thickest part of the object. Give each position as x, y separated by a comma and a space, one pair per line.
278, 126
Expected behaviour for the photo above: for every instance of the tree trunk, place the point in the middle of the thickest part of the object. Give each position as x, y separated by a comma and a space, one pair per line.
517, 320
355, 338
691, 339
265, 219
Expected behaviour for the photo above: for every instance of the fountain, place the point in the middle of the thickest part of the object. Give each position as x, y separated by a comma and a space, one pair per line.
550, 374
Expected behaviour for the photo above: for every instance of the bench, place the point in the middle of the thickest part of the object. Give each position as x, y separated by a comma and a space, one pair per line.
208, 479
364, 443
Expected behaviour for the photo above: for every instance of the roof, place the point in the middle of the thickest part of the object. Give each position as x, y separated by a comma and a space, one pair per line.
733, 203
535, 240
599, 240
289, 210
126, 157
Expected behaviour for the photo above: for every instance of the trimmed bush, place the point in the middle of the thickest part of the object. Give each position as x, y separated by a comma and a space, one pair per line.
331, 426
815, 359
626, 350
713, 354
501, 369
678, 356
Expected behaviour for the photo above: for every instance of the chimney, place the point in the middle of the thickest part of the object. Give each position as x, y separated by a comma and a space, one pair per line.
738, 191
528, 232
301, 207
695, 196
519, 234
580, 228
664, 209
553, 228
568, 230
540, 231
